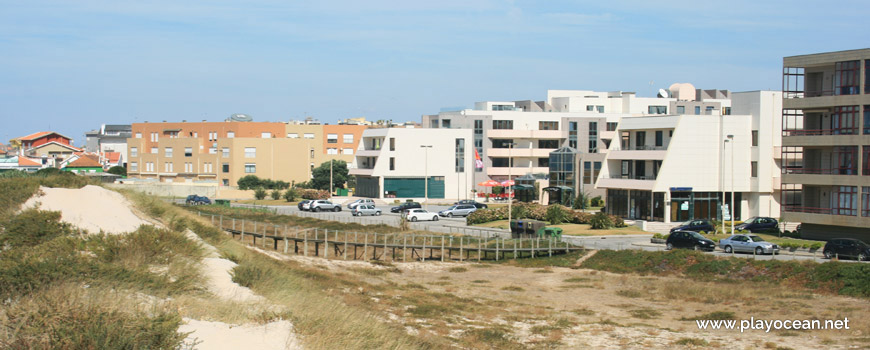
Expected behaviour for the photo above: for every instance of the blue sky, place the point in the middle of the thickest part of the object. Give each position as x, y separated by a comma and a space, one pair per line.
70, 66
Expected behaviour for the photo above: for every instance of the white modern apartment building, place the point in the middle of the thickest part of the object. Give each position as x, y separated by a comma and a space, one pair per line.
682, 167
394, 163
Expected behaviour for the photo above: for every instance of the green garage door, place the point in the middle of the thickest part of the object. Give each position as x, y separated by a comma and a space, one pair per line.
414, 188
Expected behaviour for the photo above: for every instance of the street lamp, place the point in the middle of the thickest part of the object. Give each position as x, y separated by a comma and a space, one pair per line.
426, 175
510, 190
731, 139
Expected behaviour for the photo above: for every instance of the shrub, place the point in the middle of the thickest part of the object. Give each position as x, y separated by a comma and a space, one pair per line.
275, 194
117, 170
248, 182
557, 214
596, 201
260, 194
520, 211
32, 227
291, 194
314, 194
582, 201
601, 221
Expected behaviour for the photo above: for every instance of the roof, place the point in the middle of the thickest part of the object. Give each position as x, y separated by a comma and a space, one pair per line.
40, 135
85, 161
112, 157
22, 161
59, 144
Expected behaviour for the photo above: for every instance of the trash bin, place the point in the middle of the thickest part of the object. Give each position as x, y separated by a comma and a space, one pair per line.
514, 224
341, 192
222, 202
532, 227
554, 232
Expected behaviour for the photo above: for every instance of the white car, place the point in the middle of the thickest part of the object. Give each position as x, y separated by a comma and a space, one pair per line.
420, 214
363, 201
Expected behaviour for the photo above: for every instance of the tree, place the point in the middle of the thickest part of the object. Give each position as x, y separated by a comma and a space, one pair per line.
249, 182
260, 194
117, 170
275, 194
582, 201
291, 194
320, 174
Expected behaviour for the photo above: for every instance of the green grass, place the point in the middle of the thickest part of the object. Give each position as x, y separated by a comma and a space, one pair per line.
557, 260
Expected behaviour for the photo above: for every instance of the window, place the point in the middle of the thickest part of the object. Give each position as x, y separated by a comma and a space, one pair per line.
640, 169
212, 135
347, 151
266, 135
572, 135
208, 168
445, 123
231, 134
611, 126
194, 134
134, 166
225, 152
543, 162
312, 153
590, 108
331, 138
502, 107
548, 143
134, 152
250, 152
596, 169
846, 78
593, 137
433, 123
250, 168
308, 136
138, 135
697, 110
154, 137
548, 125
670, 133
188, 151
502, 143
865, 200
681, 109
460, 156
867, 76
626, 168
753, 169
658, 109
600, 109
167, 167
294, 135
154, 150
503, 124
500, 162
660, 135
867, 118
212, 150
754, 138
226, 182
640, 140
332, 151
225, 167
347, 138
587, 173
392, 144
149, 166
478, 140
392, 163
845, 200
844, 120
657, 164
188, 167
866, 152
168, 152
726, 110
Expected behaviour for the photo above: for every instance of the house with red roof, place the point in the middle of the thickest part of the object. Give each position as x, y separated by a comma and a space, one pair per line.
85, 163
46, 144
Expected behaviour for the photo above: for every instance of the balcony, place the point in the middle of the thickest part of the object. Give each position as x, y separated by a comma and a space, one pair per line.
361, 171
627, 182
519, 152
518, 171
368, 153
523, 134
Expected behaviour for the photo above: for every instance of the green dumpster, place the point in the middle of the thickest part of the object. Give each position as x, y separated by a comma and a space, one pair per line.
341, 192
554, 232
222, 202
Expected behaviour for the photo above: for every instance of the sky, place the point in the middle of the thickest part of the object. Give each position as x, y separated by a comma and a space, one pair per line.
70, 66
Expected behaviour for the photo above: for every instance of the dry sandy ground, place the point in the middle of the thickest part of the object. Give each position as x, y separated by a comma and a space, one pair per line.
97, 209
92, 208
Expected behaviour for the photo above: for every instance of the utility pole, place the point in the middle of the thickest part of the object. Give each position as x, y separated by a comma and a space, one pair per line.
426, 175
330, 177
731, 137
510, 191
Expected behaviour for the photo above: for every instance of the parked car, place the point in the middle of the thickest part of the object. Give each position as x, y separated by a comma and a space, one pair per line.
364, 201
365, 209
458, 210
303, 205
197, 200
846, 247
696, 225
323, 205
689, 239
476, 204
420, 214
749, 244
759, 224
407, 205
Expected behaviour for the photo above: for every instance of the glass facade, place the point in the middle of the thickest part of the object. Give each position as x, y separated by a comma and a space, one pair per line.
460, 155
593, 137
478, 140
562, 167
572, 135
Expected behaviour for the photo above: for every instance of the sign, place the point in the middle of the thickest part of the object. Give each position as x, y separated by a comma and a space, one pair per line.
681, 189
684, 205
726, 213
478, 163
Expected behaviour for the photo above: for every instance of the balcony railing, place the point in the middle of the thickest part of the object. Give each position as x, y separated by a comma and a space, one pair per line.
815, 210
632, 177
641, 148
821, 171
819, 132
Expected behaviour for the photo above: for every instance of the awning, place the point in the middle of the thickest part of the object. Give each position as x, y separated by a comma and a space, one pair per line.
171, 130
558, 188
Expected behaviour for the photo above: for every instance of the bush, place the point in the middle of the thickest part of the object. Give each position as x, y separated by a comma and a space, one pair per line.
275, 194
291, 194
601, 221
596, 201
250, 182
582, 201
557, 214
32, 227
314, 194
117, 170
260, 194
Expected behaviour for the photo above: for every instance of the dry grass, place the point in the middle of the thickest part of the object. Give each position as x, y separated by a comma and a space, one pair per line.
575, 229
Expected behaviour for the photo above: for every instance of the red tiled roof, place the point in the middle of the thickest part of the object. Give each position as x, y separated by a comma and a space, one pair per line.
39, 135
59, 144
113, 157
85, 161
22, 161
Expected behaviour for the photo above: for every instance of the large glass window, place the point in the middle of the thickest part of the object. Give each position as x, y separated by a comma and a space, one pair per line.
572, 135
845, 200
658, 109
250, 152
867, 76
865, 201
844, 120
846, 78
611, 126
593, 137
548, 125
445, 123
250, 168
867, 119
548, 144
502, 143
640, 140
587, 173
460, 155
866, 157
503, 124
847, 160
660, 138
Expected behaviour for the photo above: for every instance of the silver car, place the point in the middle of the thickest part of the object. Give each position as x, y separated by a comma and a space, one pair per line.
365, 209
748, 244
362, 201
324, 205
458, 210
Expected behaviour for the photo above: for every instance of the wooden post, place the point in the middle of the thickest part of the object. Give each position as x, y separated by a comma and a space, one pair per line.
305, 244
385, 247
496, 248
442, 248
286, 242
221, 222
460, 248
366, 246
405, 248
345, 245
234, 224
550, 247
264, 236
423, 257
479, 248
515, 247
326, 243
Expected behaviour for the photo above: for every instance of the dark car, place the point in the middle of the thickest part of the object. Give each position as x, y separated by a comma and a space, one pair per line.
759, 224
472, 202
197, 200
690, 240
404, 206
846, 247
301, 204
696, 225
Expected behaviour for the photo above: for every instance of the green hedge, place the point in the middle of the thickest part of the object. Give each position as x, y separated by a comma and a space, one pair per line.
537, 212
